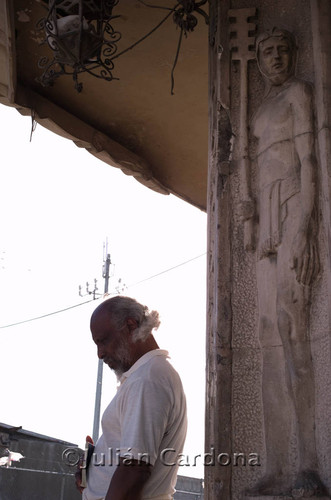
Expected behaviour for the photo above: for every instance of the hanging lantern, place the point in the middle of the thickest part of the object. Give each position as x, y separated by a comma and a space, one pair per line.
81, 38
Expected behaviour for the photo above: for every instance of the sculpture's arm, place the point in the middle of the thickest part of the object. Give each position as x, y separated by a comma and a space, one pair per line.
304, 145
304, 254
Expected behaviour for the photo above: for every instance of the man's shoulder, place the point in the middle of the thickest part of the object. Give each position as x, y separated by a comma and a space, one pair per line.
157, 373
158, 368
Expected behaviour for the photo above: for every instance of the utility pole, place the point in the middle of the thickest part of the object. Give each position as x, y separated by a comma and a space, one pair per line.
119, 289
98, 391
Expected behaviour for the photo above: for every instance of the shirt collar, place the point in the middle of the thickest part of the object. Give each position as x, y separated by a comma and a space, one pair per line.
141, 361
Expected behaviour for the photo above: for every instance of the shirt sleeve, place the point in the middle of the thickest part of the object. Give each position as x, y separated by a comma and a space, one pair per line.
144, 413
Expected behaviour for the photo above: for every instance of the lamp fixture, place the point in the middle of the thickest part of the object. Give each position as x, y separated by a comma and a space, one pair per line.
81, 38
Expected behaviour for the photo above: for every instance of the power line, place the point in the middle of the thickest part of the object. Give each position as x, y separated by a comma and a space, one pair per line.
167, 270
49, 314
98, 298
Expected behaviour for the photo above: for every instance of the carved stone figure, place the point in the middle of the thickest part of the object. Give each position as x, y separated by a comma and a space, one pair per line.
287, 264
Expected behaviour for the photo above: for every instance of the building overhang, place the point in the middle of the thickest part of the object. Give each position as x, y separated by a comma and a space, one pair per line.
133, 123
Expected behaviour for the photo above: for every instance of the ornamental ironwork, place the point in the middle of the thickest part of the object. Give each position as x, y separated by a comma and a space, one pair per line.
81, 38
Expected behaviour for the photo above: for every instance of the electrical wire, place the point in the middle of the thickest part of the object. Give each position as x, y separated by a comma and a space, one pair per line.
49, 314
167, 270
101, 296
144, 37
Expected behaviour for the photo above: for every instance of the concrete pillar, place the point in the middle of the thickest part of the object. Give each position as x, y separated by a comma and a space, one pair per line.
238, 399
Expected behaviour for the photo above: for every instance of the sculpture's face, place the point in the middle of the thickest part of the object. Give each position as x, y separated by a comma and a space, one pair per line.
275, 59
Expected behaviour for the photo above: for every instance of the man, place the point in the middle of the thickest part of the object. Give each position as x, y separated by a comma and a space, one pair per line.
288, 263
148, 413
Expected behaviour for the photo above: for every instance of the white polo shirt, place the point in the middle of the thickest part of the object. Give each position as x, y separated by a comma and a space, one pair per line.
146, 417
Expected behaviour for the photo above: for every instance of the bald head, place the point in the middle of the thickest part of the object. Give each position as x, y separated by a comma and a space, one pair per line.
121, 308
122, 330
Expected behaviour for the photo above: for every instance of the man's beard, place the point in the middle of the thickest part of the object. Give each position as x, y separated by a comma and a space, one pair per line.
122, 360
123, 356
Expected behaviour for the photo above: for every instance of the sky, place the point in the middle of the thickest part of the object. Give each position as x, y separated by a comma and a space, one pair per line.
58, 206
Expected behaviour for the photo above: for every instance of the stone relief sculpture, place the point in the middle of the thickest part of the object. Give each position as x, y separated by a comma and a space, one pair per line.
287, 264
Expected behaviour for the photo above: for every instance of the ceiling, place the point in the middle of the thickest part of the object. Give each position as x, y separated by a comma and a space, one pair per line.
133, 123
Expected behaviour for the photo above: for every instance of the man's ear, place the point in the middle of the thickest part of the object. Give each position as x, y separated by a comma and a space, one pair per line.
132, 324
